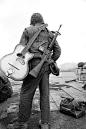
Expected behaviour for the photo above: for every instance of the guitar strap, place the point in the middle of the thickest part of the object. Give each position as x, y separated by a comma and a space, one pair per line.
42, 27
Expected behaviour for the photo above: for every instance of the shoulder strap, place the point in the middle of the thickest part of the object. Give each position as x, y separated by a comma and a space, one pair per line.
42, 27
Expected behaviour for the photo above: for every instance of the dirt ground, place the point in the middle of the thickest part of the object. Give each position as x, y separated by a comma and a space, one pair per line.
58, 120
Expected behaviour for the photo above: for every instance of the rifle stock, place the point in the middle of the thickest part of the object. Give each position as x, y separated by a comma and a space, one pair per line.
35, 71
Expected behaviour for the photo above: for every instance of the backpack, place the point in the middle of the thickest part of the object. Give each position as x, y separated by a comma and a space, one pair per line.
72, 107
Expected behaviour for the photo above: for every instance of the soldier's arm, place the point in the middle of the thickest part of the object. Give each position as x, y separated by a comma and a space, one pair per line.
56, 51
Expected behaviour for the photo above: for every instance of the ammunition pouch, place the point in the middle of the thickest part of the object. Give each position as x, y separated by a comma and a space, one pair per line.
54, 69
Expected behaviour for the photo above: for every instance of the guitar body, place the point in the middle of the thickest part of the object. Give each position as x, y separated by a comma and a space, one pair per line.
14, 66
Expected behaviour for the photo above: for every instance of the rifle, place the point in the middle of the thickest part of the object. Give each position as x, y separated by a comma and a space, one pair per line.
34, 72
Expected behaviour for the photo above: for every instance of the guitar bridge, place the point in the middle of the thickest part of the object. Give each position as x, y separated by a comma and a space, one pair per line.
13, 66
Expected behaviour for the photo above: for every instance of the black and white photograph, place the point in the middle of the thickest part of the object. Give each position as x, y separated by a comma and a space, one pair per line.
42, 64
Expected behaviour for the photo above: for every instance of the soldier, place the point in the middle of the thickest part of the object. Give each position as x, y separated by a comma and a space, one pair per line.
30, 83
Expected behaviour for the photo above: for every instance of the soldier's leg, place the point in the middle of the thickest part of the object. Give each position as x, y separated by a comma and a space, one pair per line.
44, 98
27, 92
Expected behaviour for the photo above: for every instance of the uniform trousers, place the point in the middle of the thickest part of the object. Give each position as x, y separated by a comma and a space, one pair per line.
27, 92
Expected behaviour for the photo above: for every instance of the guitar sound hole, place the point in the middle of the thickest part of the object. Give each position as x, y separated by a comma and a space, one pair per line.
20, 55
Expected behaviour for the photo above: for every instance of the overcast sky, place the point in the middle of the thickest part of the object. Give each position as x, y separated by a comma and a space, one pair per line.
15, 16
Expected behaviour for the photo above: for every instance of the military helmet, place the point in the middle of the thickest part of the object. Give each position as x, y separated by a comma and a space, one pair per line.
36, 18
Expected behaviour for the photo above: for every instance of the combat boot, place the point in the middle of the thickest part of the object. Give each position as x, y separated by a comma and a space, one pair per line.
18, 125
43, 126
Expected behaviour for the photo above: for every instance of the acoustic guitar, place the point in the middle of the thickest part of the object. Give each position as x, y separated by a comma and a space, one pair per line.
15, 65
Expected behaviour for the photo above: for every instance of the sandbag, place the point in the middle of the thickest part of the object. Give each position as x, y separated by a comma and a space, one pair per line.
81, 64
